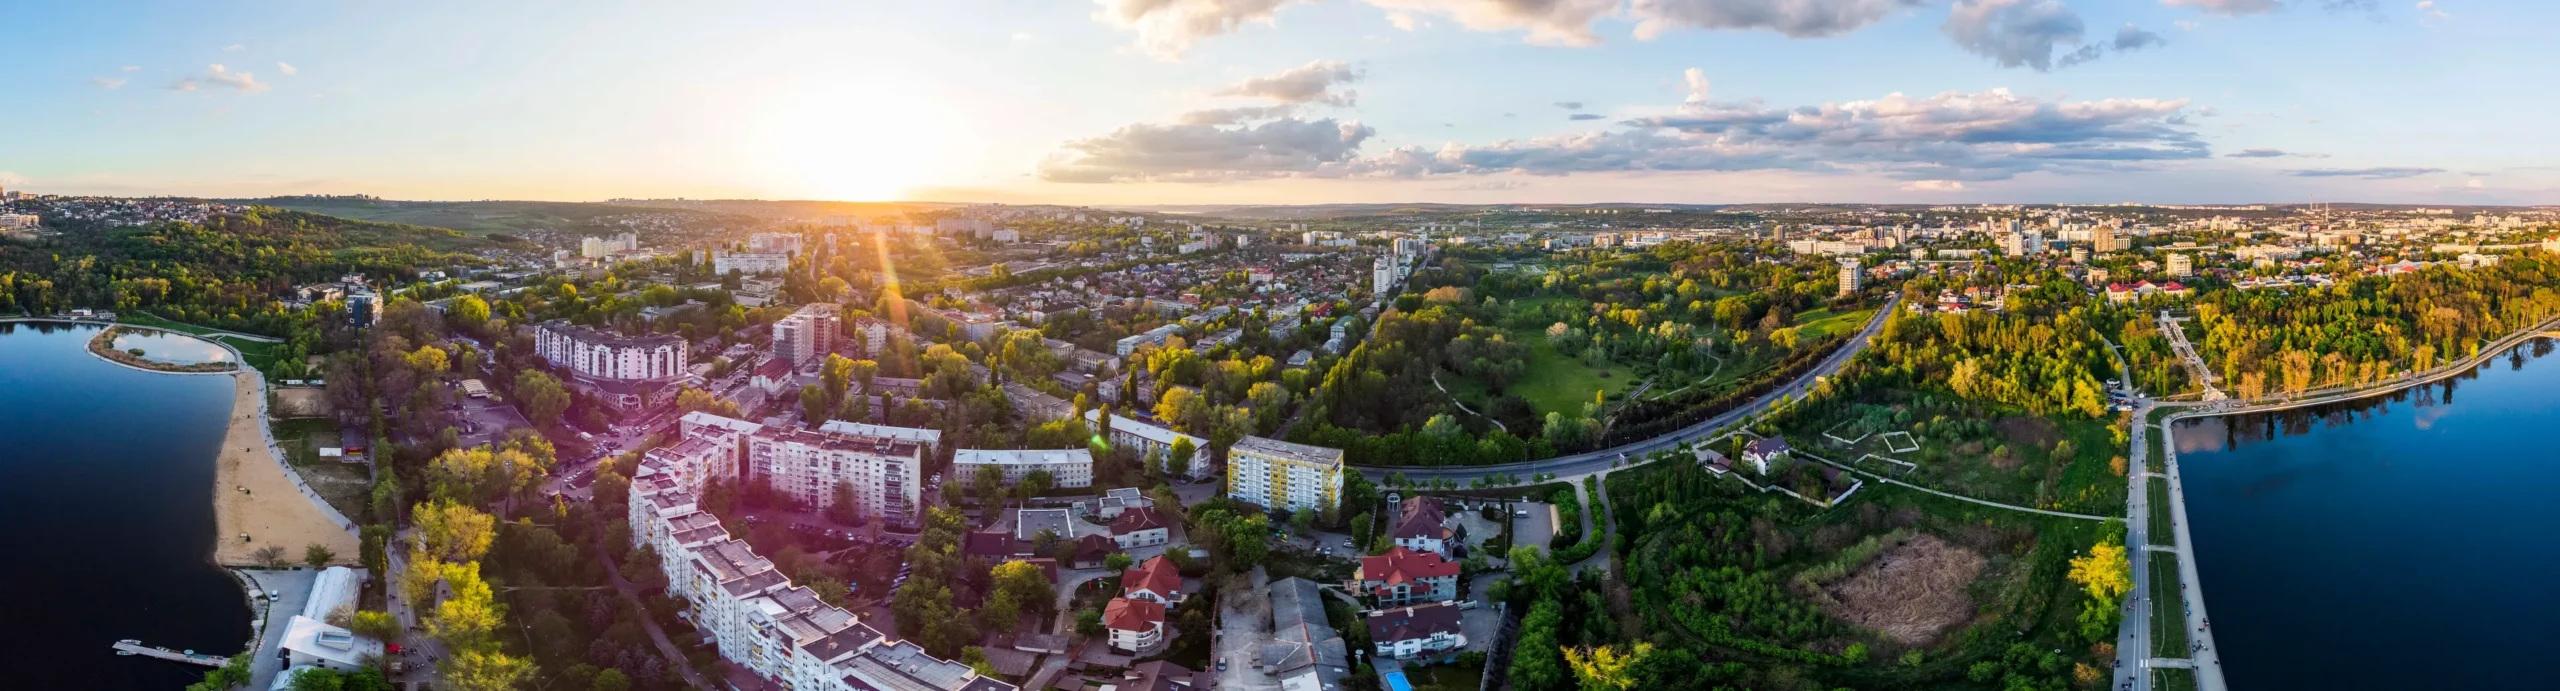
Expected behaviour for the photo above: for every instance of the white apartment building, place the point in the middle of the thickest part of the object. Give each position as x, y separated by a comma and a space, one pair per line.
1145, 439
807, 335
750, 263
600, 355
757, 618
1851, 277
1275, 474
2181, 265
808, 465
1067, 467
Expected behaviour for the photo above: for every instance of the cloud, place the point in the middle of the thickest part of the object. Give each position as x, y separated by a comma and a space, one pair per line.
1403, 22
2134, 38
1309, 83
216, 74
2228, 8
2257, 153
107, 83
1953, 136
1547, 22
1167, 28
1486, 186
288, 70
234, 48
1585, 116
1792, 18
1695, 80
2474, 183
1203, 153
2016, 33
1232, 116
2187, 24
130, 68
1933, 186
2427, 11
1569, 105
183, 84
2381, 173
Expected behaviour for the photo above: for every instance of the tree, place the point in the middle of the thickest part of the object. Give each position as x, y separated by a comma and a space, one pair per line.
1537, 662
317, 555
610, 680
1605, 668
814, 404
1088, 622
375, 624
541, 397
484, 670
836, 374
842, 509
1117, 561
452, 532
988, 481
692, 400
470, 618
1013, 586
1248, 540
270, 556
1178, 461
469, 312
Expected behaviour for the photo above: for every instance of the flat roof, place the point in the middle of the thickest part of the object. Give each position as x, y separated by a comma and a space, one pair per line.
1284, 450
1021, 456
1029, 523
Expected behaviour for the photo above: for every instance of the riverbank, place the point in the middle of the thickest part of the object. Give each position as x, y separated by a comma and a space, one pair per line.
276, 510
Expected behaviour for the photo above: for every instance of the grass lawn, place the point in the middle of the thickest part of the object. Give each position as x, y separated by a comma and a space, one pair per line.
2168, 609
1445, 678
1820, 323
2160, 528
1556, 383
1960, 443
2173, 679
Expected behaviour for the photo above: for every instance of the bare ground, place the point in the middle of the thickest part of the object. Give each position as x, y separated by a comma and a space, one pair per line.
302, 402
271, 511
1912, 593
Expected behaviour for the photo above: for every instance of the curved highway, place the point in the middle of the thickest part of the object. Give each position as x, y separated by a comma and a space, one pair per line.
1595, 461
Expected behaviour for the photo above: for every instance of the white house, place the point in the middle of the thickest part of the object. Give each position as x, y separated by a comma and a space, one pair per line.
1136, 626
1761, 452
1140, 527
1419, 631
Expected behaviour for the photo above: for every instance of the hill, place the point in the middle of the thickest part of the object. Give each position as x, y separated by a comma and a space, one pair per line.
475, 218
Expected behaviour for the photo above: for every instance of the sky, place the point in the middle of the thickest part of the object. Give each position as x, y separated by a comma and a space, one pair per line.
1291, 101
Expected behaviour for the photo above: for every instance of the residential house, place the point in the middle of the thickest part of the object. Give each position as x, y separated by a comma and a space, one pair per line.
1419, 526
1416, 631
1154, 580
1141, 527
1136, 626
1403, 576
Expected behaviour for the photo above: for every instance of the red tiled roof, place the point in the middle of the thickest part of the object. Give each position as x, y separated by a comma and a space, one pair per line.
1137, 519
1400, 565
1421, 517
1124, 614
1094, 547
775, 368
1154, 575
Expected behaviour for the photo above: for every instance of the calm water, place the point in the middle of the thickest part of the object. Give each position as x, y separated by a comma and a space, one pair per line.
106, 482
2407, 542
161, 346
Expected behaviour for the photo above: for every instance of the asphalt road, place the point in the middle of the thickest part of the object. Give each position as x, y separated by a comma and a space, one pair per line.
1602, 460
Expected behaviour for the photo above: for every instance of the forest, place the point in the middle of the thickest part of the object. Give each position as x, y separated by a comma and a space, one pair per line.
2372, 328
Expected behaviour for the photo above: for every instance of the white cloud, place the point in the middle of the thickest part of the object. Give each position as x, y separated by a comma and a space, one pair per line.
218, 75
1403, 22
1548, 22
1794, 18
288, 70
1933, 186
130, 68
1695, 80
2187, 24
2474, 183
107, 83
1168, 28
1232, 116
2016, 33
2427, 10
2228, 7
1309, 83
234, 48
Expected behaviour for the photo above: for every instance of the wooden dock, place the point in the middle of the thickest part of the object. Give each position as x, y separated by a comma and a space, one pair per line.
133, 647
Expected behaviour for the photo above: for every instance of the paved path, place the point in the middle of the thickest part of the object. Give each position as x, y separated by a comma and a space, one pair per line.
2133, 636
2208, 659
1602, 460
657, 635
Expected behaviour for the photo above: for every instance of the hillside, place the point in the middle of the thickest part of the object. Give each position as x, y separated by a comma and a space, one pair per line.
475, 218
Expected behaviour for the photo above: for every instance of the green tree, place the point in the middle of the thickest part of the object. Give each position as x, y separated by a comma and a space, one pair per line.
484, 670
610, 680
469, 312
1117, 561
452, 532
813, 404
377, 625
541, 397
1178, 462
317, 555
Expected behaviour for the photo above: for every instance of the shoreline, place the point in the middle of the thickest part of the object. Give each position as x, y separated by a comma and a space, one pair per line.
249, 459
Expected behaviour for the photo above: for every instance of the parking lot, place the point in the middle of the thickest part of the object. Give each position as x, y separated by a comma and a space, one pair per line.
1536, 528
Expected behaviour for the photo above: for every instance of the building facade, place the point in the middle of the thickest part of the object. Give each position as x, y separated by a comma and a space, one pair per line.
807, 335
808, 465
1067, 467
1275, 474
1150, 439
596, 354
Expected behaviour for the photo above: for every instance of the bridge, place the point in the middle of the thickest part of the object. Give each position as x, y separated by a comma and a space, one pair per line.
133, 647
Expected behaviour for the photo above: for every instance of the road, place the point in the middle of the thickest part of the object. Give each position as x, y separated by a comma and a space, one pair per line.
2134, 655
1602, 460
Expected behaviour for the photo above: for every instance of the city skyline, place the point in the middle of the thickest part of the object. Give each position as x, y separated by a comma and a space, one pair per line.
1290, 101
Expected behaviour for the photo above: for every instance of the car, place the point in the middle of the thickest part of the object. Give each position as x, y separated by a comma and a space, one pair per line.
1222, 665
1520, 513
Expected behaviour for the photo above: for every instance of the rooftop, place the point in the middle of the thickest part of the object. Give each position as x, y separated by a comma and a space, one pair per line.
1288, 451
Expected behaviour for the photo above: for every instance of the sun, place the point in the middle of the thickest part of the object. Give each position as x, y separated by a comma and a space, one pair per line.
854, 140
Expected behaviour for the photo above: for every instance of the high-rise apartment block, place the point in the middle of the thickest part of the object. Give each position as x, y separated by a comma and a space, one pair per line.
807, 335
1276, 474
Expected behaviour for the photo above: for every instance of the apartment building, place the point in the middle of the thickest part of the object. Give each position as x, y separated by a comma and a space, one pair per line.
807, 335
808, 465
1146, 439
757, 618
594, 354
1067, 467
1275, 474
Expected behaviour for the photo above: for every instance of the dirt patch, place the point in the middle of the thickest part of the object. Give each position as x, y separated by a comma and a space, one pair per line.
1912, 593
301, 401
253, 497
2027, 431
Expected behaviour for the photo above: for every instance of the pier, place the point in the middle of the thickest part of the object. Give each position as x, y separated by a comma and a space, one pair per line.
133, 647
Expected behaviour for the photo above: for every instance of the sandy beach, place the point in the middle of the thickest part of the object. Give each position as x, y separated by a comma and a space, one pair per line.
273, 511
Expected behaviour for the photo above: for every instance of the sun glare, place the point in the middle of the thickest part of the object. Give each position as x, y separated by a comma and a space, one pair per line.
849, 141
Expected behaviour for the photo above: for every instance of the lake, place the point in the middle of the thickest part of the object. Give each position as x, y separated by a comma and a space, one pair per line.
107, 474
2402, 542
175, 349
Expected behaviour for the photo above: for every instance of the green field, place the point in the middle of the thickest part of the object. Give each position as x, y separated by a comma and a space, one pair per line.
2173, 679
1819, 323
477, 218
2168, 609
1559, 384
2160, 529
